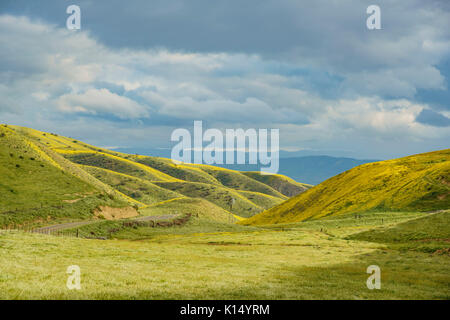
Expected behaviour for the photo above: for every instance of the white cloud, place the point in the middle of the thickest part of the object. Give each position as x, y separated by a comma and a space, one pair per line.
95, 101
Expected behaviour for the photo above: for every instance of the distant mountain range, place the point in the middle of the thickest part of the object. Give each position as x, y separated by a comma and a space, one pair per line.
310, 169
315, 169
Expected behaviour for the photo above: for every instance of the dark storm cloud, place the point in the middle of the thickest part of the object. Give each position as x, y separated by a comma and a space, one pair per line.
329, 36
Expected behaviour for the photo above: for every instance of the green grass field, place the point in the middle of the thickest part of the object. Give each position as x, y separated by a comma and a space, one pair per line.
320, 259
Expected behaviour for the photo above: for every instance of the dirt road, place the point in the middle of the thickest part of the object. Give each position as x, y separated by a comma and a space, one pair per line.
70, 225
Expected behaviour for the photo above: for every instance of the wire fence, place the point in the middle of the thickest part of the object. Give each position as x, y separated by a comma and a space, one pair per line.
40, 230
74, 232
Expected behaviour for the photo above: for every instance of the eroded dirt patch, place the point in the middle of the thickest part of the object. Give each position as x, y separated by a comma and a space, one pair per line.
110, 213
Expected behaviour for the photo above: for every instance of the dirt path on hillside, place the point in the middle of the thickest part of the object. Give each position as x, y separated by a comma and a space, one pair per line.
70, 225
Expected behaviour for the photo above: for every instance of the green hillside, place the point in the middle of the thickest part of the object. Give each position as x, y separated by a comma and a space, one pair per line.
35, 187
179, 171
415, 183
238, 180
47, 178
136, 188
260, 199
199, 208
118, 164
282, 184
220, 196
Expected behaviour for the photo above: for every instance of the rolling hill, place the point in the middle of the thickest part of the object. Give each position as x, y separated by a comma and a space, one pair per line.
48, 178
37, 185
310, 167
285, 185
415, 183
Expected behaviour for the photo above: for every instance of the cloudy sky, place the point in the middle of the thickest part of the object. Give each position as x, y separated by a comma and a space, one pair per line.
139, 69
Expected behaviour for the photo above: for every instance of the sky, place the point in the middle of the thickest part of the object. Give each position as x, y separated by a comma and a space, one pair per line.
137, 70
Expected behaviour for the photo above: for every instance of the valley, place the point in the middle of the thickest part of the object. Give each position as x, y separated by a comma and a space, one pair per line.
142, 227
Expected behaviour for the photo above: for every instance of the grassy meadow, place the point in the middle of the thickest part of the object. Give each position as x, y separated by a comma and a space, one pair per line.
318, 259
